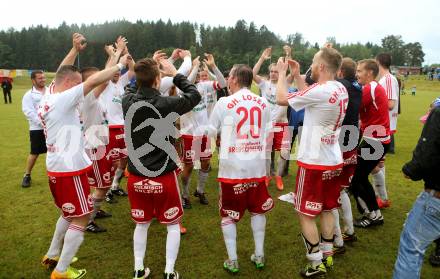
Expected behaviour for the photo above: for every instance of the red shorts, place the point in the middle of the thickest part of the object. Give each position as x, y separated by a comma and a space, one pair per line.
236, 198
195, 148
72, 194
116, 148
280, 137
99, 174
350, 162
316, 191
157, 197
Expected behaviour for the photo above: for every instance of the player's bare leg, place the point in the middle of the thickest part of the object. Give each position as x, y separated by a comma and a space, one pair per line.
30, 163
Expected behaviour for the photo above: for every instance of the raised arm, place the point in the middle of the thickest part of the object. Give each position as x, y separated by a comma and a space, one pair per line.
211, 64
282, 89
288, 55
195, 69
185, 68
79, 43
264, 56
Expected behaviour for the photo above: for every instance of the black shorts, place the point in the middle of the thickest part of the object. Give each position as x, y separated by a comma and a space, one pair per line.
38, 142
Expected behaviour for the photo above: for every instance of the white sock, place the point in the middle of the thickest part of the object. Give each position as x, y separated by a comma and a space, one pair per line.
315, 258
379, 183
140, 244
172, 248
229, 229
281, 165
268, 173
58, 237
185, 186
258, 224
96, 207
73, 239
347, 215
378, 213
363, 205
338, 234
203, 176
118, 174
372, 215
326, 248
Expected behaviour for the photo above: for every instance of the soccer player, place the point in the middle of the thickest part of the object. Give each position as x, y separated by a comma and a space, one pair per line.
278, 113
195, 144
375, 130
96, 138
111, 100
319, 156
66, 162
391, 86
166, 83
153, 188
243, 121
350, 138
30, 102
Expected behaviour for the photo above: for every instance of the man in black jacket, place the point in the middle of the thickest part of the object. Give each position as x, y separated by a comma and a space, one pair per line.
7, 87
150, 133
422, 226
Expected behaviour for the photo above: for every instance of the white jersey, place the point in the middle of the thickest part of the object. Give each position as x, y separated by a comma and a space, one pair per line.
391, 86
95, 124
243, 119
325, 106
29, 106
65, 145
111, 100
194, 123
268, 90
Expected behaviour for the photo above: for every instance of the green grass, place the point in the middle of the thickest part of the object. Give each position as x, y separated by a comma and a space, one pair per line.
28, 216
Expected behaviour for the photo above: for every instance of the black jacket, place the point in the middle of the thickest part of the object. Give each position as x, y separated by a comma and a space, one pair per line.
152, 133
425, 163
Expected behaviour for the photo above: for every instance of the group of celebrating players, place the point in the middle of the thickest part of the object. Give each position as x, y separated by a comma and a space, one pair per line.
97, 125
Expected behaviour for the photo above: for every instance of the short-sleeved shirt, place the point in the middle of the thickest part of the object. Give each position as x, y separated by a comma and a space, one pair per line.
391, 86
195, 122
373, 113
243, 120
111, 100
65, 143
325, 107
269, 91
95, 122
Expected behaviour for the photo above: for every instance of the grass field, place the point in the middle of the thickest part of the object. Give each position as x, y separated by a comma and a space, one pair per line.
28, 216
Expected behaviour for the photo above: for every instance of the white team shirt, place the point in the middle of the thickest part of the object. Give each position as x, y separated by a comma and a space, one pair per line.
29, 106
95, 122
243, 119
65, 144
195, 122
391, 86
268, 90
325, 106
111, 100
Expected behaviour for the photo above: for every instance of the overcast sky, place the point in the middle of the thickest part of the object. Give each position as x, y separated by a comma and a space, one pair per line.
348, 21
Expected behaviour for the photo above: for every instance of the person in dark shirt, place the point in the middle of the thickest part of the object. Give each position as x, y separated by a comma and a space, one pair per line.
348, 139
422, 225
7, 87
150, 134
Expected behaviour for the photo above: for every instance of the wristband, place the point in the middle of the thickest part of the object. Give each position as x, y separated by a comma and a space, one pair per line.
120, 66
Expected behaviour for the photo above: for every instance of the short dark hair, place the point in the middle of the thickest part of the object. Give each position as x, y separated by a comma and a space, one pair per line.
64, 71
244, 75
370, 65
348, 68
86, 72
34, 73
332, 58
147, 70
384, 60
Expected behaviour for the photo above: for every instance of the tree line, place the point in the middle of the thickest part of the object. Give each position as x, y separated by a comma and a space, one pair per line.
40, 47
